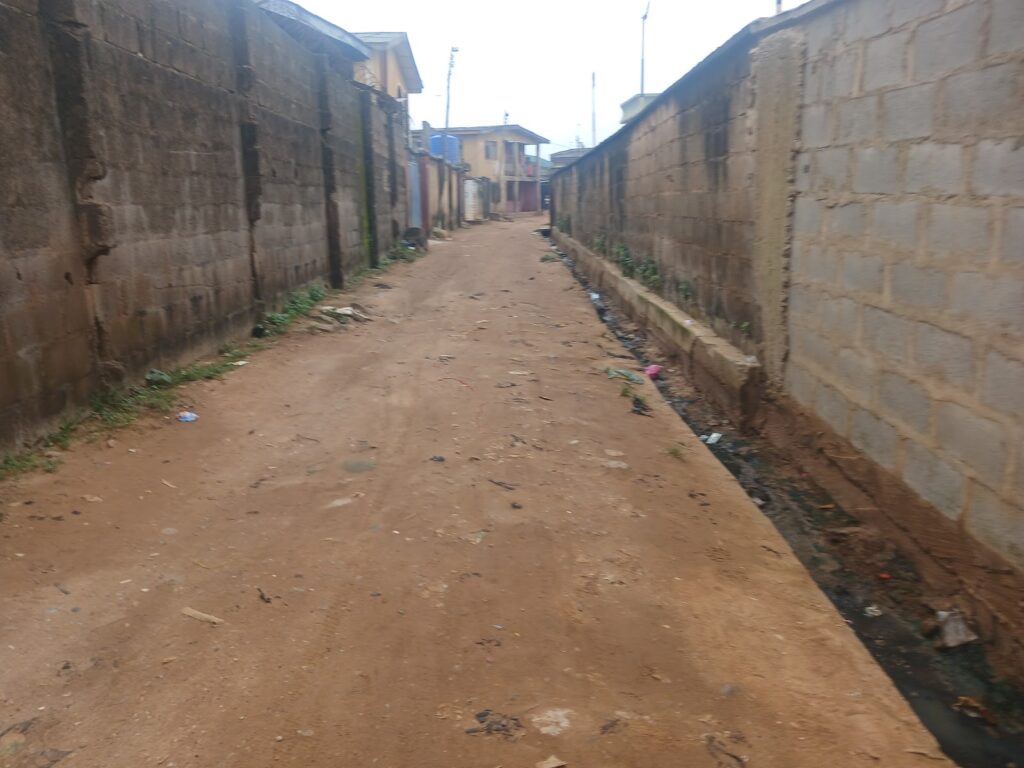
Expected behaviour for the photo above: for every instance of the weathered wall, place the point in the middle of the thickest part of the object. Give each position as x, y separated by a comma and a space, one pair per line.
840, 192
170, 171
907, 289
46, 362
675, 186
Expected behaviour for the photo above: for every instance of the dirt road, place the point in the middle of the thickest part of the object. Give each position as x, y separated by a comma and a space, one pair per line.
572, 579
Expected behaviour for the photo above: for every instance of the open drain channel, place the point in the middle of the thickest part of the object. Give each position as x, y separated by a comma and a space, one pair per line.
819, 533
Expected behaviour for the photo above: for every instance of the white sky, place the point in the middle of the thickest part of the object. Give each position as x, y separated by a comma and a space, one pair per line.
533, 59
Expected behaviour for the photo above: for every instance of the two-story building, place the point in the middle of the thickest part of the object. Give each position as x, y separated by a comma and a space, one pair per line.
391, 68
499, 153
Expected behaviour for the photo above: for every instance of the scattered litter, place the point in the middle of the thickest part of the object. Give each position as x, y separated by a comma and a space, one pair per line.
438, 459
187, 417
168, 659
445, 358
345, 314
826, 506
168, 483
158, 378
612, 726
974, 708
501, 484
883, 576
520, 373
344, 502
640, 406
612, 452
873, 611
307, 732
192, 613
497, 724
618, 373
616, 465
595, 296
240, 363
552, 722
713, 438
90, 498
359, 465
552, 762
653, 371
62, 590
263, 595
955, 631
516, 505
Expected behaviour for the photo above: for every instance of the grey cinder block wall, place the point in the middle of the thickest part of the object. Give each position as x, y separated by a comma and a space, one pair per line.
839, 191
168, 171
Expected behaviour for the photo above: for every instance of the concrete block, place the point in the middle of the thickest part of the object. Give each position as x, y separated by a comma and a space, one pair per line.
846, 220
999, 168
831, 169
877, 439
979, 442
800, 383
907, 112
863, 20
913, 10
947, 42
958, 229
917, 286
885, 333
816, 126
896, 224
803, 300
946, 355
857, 372
905, 401
857, 120
862, 272
838, 77
876, 170
933, 167
833, 407
885, 61
993, 300
839, 318
806, 215
1003, 386
1013, 237
1004, 34
985, 99
936, 481
996, 523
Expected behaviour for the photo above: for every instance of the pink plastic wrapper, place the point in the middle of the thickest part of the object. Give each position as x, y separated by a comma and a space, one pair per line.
653, 371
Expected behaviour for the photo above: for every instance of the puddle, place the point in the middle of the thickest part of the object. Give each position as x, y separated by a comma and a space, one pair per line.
825, 539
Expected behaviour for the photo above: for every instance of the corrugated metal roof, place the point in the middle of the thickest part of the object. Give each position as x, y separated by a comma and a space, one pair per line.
534, 138
297, 15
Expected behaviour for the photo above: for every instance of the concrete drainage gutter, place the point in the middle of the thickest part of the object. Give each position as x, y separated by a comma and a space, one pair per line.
733, 380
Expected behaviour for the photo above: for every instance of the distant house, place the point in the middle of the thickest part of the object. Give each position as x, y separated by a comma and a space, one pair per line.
391, 68
567, 157
498, 152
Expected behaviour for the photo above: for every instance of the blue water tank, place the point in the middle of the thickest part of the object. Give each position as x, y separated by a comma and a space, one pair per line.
454, 153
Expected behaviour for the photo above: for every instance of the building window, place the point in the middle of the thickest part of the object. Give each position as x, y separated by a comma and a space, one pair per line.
495, 192
491, 150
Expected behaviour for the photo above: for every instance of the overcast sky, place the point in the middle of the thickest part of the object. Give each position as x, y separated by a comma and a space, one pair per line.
533, 59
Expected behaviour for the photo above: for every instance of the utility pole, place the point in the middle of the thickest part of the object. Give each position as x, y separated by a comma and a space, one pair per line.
593, 109
444, 136
643, 44
778, 6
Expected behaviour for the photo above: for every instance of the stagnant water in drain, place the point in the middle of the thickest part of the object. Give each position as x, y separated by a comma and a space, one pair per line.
929, 679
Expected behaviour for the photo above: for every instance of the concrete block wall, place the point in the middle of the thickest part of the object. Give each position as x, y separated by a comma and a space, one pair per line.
45, 329
159, 106
906, 296
676, 186
170, 170
291, 249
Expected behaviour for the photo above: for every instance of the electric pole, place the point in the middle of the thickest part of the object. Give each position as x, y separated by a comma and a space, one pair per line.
643, 44
444, 136
593, 109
